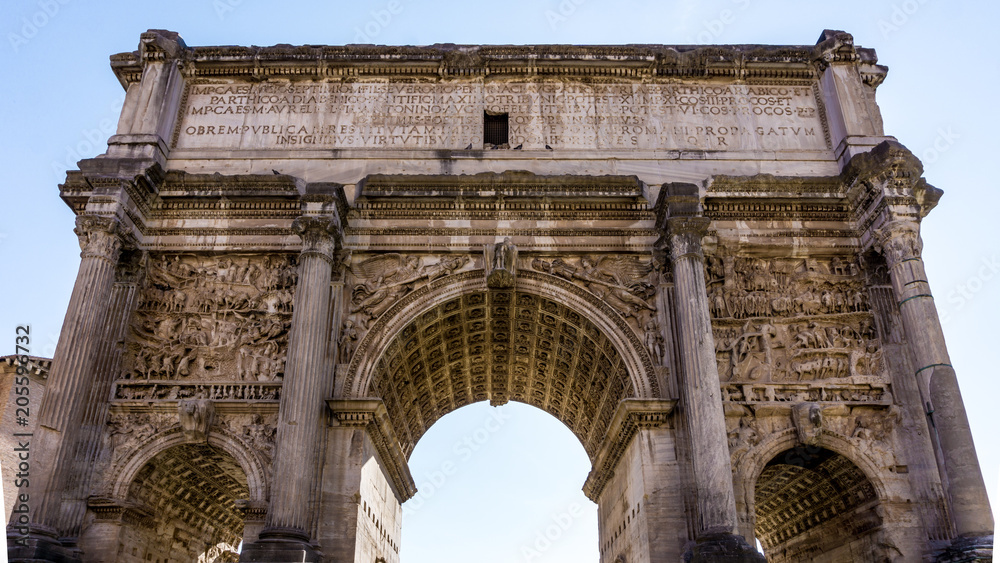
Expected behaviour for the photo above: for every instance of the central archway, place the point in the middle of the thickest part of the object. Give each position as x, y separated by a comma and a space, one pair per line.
547, 343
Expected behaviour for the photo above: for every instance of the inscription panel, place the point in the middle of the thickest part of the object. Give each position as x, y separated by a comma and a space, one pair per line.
382, 115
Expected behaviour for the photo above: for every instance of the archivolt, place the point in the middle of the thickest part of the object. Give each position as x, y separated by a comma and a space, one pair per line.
249, 463
548, 343
758, 458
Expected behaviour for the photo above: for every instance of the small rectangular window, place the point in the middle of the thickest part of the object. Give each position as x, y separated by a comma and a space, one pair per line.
495, 130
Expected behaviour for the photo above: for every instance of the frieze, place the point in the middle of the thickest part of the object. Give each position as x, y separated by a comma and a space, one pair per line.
131, 390
874, 393
442, 231
745, 287
796, 350
207, 318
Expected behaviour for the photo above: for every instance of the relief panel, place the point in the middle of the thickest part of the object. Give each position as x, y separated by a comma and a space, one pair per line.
793, 330
213, 327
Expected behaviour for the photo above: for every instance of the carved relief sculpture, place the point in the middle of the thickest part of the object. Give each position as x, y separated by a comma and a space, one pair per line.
196, 417
206, 319
799, 329
380, 281
808, 420
627, 283
502, 260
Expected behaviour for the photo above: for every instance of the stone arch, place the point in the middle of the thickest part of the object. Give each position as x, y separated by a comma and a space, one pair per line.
831, 482
186, 502
606, 334
253, 468
603, 315
754, 461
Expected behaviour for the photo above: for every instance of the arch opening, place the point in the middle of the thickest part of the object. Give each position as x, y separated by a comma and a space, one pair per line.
815, 504
501, 346
506, 477
190, 494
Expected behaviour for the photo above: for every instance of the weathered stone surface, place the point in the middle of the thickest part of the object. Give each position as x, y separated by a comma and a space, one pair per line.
297, 259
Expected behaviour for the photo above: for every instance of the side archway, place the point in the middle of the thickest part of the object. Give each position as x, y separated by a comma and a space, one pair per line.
174, 499
817, 502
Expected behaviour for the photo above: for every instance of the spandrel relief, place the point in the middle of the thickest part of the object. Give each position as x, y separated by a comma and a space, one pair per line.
378, 282
211, 318
125, 433
256, 431
868, 429
626, 283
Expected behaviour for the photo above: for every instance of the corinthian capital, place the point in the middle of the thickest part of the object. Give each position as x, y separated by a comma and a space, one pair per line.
318, 234
899, 241
99, 237
685, 236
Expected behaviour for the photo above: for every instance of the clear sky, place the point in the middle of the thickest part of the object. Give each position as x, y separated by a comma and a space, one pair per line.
60, 101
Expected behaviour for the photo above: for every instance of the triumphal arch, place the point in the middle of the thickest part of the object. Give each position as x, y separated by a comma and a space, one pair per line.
705, 261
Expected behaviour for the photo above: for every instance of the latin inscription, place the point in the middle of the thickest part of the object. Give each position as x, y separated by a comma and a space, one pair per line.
316, 115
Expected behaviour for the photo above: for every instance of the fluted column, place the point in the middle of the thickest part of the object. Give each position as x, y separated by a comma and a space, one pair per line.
304, 389
717, 539
901, 245
69, 381
700, 387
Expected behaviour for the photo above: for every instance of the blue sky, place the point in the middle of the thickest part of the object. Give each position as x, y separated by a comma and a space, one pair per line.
60, 102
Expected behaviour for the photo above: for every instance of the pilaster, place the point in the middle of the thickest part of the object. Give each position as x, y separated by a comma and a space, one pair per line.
848, 79
151, 102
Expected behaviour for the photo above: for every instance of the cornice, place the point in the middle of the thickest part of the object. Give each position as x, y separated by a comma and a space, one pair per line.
180, 183
638, 62
37, 367
775, 186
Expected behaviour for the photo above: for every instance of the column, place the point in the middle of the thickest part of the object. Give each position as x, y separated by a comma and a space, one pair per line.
68, 386
303, 393
901, 245
702, 401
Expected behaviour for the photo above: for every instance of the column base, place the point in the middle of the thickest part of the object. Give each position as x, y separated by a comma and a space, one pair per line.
722, 548
281, 545
40, 545
968, 550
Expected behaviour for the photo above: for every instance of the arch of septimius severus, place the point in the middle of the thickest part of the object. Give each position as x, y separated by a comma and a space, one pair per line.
705, 261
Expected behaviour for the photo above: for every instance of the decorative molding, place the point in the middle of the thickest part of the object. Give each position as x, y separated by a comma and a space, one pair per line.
118, 511
370, 414
750, 63
630, 416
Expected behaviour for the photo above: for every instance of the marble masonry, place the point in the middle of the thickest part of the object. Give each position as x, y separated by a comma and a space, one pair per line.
704, 260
